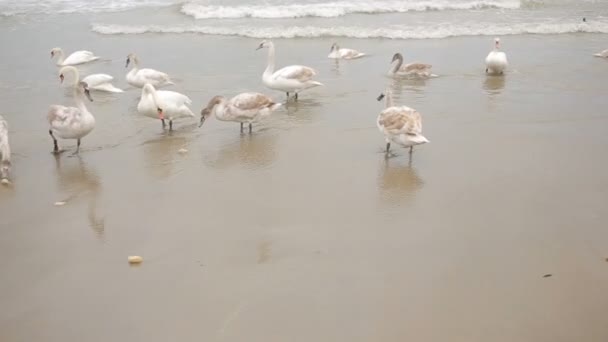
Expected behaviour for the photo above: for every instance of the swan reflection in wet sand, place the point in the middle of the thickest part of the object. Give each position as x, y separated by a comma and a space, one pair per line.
250, 151
397, 180
77, 180
162, 154
494, 85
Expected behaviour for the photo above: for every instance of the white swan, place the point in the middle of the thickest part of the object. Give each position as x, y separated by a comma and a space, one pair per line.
139, 77
101, 82
496, 62
603, 54
78, 57
293, 78
411, 69
401, 125
243, 108
163, 104
5, 151
336, 53
71, 122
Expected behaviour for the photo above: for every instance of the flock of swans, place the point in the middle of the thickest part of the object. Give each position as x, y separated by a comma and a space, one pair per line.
401, 125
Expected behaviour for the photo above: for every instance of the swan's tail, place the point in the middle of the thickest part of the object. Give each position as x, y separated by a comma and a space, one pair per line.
598, 55
275, 106
312, 84
419, 139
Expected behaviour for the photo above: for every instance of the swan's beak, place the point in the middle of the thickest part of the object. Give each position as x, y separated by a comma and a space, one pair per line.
203, 118
380, 97
160, 113
259, 47
88, 94
128, 61
52, 54
61, 78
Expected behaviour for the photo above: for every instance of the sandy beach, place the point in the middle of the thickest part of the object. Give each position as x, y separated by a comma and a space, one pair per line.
303, 230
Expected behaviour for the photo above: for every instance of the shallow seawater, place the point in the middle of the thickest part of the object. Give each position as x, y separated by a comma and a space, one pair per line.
303, 230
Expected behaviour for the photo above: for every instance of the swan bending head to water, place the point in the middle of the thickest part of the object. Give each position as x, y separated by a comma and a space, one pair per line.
243, 108
293, 78
5, 151
399, 124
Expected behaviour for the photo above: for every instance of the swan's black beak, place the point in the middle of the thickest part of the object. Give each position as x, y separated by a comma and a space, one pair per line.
88, 94
380, 97
259, 47
52, 54
128, 61
204, 114
203, 118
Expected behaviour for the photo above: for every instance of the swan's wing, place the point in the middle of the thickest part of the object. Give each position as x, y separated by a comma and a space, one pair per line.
152, 74
173, 98
401, 120
80, 57
251, 101
295, 72
62, 116
416, 67
97, 79
350, 53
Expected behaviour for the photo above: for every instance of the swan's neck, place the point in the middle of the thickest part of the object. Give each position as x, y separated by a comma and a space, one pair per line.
152, 93
79, 99
219, 109
74, 72
389, 99
396, 66
270, 65
60, 57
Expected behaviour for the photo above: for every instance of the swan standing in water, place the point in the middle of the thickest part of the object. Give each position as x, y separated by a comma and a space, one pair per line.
71, 122
78, 57
603, 54
336, 53
5, 152
163, 104
101, 82
293, 78
401, 125
243, 108
139, 77
411, 69
496, 62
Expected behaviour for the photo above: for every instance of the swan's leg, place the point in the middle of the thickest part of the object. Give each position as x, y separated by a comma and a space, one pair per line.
241, 127
287, 95
55, 147
411, 150
170, 124
250, 127
163, 122
77, 146
486, 70
388, 146
296, 97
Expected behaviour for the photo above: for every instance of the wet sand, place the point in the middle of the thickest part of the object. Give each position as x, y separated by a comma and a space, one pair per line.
303, 231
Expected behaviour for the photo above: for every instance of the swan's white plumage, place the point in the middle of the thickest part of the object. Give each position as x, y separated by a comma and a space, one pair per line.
139, 77
293, 78
496, 61
173, 104
339, 53
72, 122
101, 82
603, 54
78, 57
5, 150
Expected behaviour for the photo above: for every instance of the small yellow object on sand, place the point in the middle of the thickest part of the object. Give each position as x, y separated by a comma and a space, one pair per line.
182, 151
5, 181
135, 259
60, 203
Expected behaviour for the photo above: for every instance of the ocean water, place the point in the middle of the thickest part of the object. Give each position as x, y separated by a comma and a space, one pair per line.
417, 19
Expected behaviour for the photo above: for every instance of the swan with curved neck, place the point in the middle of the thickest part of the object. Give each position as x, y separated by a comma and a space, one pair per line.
399, 124
5, 152
243, 108
337, 53
293, 78
139, 77
496, 61
71, 122
411, 69
101, 82
163, 104
78, 57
